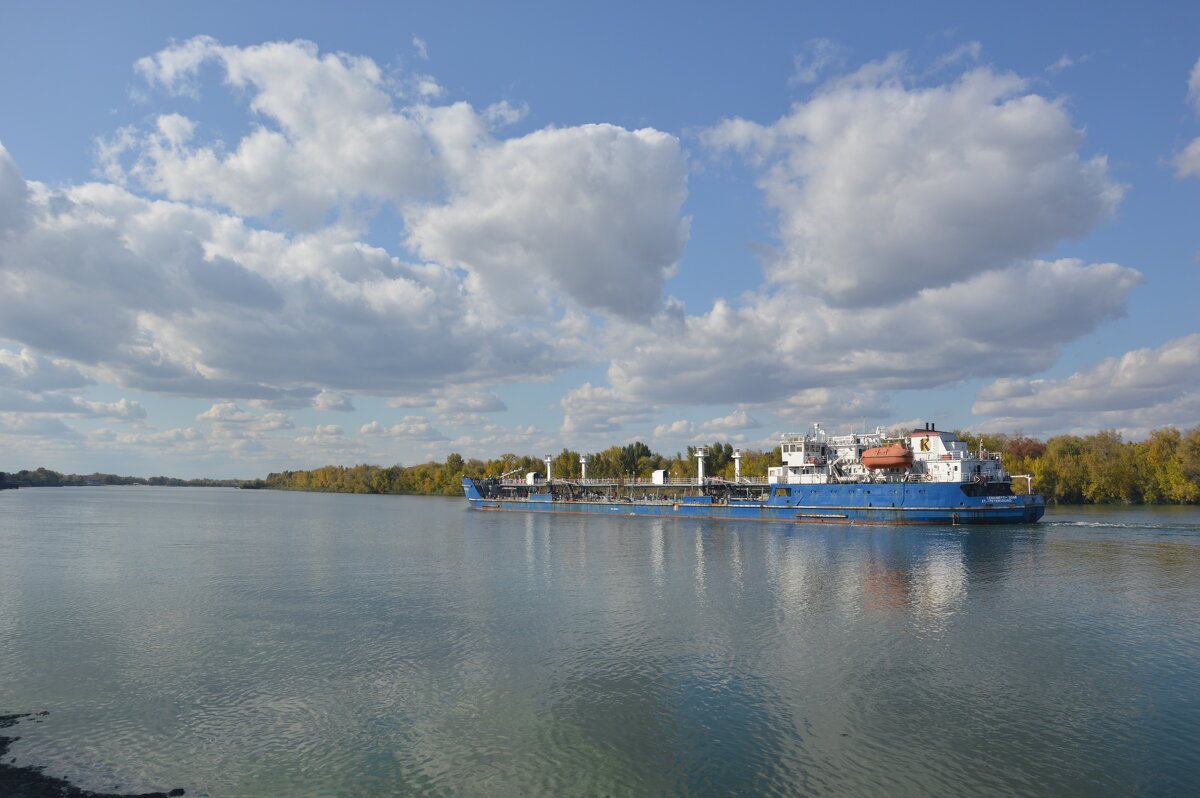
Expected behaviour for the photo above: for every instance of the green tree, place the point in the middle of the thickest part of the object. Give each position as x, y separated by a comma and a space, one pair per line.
1060, 474
566, 465
1189, 454
1161, 472
1111, 475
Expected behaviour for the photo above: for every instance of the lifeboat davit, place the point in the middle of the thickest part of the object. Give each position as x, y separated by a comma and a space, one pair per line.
895, 456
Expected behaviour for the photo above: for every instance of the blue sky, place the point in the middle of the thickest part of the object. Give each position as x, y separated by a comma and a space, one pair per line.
241, 238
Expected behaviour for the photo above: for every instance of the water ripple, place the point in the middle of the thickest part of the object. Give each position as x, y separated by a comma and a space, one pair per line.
259, 644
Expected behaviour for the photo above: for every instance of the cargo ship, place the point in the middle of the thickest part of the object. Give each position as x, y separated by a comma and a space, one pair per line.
924, 477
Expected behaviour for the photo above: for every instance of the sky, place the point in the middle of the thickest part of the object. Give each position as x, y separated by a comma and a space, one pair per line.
241, 238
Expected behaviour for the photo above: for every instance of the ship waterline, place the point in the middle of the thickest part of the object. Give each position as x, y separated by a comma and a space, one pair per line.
927, 477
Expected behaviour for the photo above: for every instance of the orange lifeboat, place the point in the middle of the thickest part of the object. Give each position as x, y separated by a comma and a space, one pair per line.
895, 456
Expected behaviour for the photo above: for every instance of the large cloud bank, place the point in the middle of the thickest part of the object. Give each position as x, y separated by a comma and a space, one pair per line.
910, 218
922, 239
238, 270
884, 191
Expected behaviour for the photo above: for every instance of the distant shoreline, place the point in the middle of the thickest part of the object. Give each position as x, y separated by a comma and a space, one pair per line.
1101, 469
47, 478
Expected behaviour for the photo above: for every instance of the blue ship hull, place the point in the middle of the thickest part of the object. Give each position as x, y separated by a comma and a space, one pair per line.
886, 503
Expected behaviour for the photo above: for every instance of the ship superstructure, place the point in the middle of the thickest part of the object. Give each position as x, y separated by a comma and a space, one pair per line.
928, 455
923, 477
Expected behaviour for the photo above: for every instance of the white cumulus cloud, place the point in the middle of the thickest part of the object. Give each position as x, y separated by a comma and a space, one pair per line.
817, 56
884, 190
591, 212
328, 133
174, 299
591, 409
588, 213
226, 413
1187, 163
1000, 322
417, 428
120, 409
908, 218
830, 406
1135, 391
230, 420
28, 426
521, 239
737, 421
675, 430
330, 400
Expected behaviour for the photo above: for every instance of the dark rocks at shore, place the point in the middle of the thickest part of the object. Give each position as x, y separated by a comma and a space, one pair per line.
30, 782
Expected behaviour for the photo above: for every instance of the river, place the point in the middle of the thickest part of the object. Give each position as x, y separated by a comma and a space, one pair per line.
259, 643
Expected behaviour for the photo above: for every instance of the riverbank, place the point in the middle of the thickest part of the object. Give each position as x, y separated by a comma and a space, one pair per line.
31, 782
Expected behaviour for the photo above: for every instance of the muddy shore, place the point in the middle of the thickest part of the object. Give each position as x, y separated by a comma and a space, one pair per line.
30, 782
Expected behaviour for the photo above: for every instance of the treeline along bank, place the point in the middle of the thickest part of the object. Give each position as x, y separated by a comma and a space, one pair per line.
46, 478
1067, 469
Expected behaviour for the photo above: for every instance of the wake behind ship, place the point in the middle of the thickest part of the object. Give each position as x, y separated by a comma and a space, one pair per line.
925, 477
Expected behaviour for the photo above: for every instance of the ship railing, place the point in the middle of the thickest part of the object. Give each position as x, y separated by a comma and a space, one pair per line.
647, 482
950, 455
605, 481
955, 454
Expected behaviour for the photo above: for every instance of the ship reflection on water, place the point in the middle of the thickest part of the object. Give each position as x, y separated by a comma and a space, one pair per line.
869, 568
865, 659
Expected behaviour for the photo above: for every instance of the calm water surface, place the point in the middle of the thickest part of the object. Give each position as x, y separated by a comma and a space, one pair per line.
253, 643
